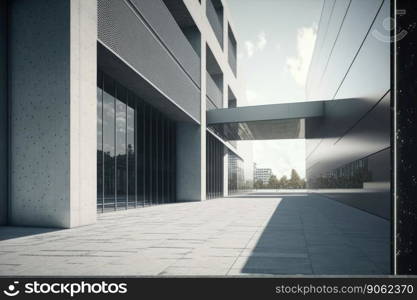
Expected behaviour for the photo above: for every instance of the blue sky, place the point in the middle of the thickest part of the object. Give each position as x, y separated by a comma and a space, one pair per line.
276, 41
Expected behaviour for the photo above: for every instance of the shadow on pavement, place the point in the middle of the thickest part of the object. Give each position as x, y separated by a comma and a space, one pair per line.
12, 232
310, 234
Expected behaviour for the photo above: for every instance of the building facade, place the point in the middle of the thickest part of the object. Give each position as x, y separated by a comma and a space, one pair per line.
106, 109
262, 174
350, 146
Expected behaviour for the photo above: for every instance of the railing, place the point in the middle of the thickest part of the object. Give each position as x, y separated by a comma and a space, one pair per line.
213, 91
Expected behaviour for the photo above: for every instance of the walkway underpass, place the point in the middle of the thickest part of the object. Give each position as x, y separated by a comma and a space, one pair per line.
261, 233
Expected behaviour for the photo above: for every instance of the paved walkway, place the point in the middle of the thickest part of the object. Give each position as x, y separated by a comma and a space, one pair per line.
257, 234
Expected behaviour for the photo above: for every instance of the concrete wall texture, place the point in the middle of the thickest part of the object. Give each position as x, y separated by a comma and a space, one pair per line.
53, 112
52, 96
351, 61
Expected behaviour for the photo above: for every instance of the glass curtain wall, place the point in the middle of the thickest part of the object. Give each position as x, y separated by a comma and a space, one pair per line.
214, 167
236, 176
135, 150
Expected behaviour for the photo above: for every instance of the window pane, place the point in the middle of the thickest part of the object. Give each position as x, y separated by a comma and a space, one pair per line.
108, 142
148, 156
131, 151
140, 113
99, 141
135, 150
121, 163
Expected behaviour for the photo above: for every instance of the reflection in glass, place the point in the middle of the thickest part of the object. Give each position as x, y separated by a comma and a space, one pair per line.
121, 163
108, 142
140, 127
99, 141
135, 150
214, 167
131, 154
148, 156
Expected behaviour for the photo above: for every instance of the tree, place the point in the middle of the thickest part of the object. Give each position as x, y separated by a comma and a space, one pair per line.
273, 182
258, 184
295, 180
283, 182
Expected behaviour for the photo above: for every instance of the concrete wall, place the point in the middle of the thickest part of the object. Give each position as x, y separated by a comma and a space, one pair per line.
191, 149
3, 115
189, 162
351, 61
53, 112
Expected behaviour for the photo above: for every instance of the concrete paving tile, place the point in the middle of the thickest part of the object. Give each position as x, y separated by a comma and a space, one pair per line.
285, 233
187, 271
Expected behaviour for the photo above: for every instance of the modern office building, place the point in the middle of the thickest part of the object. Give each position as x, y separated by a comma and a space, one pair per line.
104, 106
108, 105
236, 175
347, 120
350, 146
262, 174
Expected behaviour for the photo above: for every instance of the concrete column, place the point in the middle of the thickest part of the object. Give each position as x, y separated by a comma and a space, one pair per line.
189, 174
53, 112
3, 115
191, 148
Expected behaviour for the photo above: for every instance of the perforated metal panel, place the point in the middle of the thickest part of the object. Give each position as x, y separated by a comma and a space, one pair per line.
122, 29
162, 22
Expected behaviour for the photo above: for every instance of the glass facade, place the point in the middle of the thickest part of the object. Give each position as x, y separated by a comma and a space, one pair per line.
236, 176
351, 175
214, 167
135, 150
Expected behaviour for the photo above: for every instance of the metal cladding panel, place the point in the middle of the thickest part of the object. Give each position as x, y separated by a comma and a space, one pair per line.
323, 26
123, 30
357, 122
370, 135
160, 19
353, 31
325, 46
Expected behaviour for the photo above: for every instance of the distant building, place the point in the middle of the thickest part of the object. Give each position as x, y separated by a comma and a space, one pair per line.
262, 174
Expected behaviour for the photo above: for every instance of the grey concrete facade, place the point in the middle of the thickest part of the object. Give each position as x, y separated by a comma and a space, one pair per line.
148, 47
151, 55
53, 112
189, 181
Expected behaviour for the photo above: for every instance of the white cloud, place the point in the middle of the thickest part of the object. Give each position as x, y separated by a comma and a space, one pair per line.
278, 46
257, 46
298, 66
251, 96
281, 156
250, 48
261, 43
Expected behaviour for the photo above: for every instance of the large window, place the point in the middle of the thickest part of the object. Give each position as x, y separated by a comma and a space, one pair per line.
214, 167
135, 150
236, 177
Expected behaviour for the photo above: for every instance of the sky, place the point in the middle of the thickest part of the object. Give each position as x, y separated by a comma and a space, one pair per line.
275, 43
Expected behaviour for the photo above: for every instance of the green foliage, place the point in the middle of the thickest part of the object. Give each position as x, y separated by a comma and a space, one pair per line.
354, 181
295, 182
258, 184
